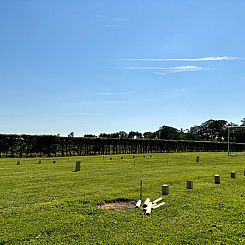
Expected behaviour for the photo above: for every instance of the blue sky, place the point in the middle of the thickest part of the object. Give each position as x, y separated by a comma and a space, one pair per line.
104, 66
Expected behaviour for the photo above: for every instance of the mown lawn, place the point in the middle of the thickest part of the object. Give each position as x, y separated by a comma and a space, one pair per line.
48, 203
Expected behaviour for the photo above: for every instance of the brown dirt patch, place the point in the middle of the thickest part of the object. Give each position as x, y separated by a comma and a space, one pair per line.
117, 206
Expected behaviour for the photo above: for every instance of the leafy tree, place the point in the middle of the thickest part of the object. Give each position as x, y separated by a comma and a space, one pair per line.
149, 135
89, 136
104, 135
167, 132
71, 134
243, 122
134, 135
122, 134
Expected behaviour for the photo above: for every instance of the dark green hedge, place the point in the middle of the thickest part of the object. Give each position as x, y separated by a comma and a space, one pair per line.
51, 146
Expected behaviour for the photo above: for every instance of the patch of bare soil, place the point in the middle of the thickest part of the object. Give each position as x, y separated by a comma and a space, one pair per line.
117, 206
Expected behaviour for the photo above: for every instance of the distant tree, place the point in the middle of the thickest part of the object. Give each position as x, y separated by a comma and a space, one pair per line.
134, 135
122, 134
214, 129
89, 136
71, 134
114, 135
243, 122
149, 135
194, 132
104, 135
168, 132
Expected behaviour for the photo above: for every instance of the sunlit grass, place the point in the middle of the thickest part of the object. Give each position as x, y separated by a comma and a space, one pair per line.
49, 203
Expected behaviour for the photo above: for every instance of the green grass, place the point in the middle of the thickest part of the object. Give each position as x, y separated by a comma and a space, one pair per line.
48, 203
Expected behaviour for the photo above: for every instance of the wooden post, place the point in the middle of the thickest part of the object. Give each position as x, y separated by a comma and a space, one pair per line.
217, 179
197, 159
18, 163
233, 174
39, 162
141, 183
189, 184
165, 189
78, 164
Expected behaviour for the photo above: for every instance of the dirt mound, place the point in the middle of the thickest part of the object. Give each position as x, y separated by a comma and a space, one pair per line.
117, 206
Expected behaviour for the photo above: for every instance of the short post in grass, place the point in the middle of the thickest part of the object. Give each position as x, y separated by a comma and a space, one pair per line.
54, 161
39, 162
18, 163
141, 185
216, 179
233, 174
165, 189
78, 164
189, 184
197, 159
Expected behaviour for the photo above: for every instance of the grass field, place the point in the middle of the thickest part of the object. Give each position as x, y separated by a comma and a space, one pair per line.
48, 203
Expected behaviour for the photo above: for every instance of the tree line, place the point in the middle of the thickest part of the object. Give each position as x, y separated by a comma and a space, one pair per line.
209, 136
211, 130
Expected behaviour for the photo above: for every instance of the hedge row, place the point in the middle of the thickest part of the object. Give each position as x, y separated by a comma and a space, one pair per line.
54, 146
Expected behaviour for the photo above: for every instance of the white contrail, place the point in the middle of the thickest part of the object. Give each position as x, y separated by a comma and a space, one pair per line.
218, 58
174, 68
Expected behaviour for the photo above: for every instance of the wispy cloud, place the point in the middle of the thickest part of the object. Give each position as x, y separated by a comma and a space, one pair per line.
218, 58
165, 70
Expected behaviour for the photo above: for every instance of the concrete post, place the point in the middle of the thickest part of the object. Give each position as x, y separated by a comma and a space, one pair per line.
217, 179
78, 164
233, 174
189, 184
165, 189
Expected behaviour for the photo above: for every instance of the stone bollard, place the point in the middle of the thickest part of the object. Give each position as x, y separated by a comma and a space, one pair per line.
217, 179
233, 174
197, 159
165, 189
78, 163
189, 184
